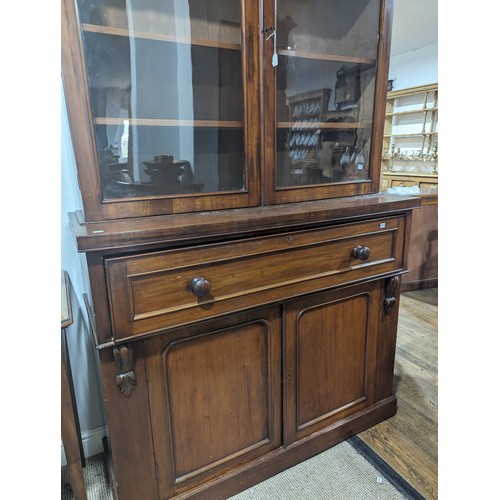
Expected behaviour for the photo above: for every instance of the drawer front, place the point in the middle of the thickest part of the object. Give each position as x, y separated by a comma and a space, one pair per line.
402, 183
151, 292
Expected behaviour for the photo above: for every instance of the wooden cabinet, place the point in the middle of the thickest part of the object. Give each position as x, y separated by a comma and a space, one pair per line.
410, 146
234, 400
423, 248
244, 304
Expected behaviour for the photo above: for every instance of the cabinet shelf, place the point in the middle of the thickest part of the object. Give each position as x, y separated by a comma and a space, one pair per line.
324, 125
397, 160
325, 57
416, 134
410, 174
169, 123
108, 30
411, 112
415, 153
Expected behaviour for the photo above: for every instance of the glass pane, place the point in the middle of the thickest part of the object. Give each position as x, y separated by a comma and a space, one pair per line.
326, 72
166, 95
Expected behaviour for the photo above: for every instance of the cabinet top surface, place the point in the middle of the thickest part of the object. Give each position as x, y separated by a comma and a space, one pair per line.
151, 232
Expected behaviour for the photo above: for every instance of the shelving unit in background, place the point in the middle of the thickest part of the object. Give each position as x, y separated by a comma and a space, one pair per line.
410, 152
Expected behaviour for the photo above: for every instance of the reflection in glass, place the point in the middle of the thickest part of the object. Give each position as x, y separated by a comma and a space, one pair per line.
166, 95
325, 83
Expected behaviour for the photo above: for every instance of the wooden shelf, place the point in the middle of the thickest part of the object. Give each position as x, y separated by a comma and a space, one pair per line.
416, 134
319, 125
410, 174
411, 112
395, 160
324, 57
169, 123
423, 116
421, 89
108, 30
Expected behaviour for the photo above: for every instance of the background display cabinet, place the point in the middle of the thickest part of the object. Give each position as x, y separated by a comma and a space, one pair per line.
244, 268
410, 162
410, 146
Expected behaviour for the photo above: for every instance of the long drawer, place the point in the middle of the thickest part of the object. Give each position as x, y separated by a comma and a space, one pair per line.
154, 291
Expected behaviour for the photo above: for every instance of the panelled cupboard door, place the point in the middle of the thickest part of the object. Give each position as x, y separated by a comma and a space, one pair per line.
215, 397
331, 349
163, 104
325, 97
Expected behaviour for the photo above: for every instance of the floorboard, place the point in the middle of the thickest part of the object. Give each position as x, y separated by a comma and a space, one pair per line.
408, 442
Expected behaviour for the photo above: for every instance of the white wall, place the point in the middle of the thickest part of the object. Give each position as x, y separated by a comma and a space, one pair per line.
417, 67
82, 351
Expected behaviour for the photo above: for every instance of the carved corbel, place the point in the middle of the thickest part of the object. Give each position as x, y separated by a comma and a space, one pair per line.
390, 290
124, 360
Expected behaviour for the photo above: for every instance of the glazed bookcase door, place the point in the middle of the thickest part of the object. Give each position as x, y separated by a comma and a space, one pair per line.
167, 100
325, 98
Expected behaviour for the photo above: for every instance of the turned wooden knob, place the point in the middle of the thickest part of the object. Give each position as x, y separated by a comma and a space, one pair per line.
200, 286
361, 252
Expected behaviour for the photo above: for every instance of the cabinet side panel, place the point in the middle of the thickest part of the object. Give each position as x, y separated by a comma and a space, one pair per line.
386, 348
129, 429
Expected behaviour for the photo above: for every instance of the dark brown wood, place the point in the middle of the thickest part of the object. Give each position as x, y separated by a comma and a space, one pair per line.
238, 332
215, 397
386, 347
331, 341
70, 434
70, 423
130, 435
197, 227
98, 310
390, 292
361, 252
423, 250
153, 291
273, 195
125, 378
283, 458
384, 48
82, 131
200, 286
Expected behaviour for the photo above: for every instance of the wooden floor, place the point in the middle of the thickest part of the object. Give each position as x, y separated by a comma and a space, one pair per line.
408, 442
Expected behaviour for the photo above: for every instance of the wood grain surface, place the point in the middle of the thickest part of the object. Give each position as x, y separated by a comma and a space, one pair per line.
408, 442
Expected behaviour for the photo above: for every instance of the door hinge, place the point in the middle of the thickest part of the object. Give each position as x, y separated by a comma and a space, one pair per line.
156, 471
146, 370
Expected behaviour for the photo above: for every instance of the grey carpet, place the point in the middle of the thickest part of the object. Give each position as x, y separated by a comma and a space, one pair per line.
340, 473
